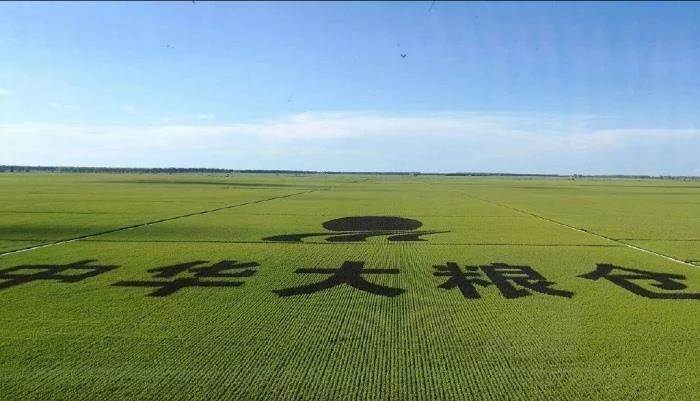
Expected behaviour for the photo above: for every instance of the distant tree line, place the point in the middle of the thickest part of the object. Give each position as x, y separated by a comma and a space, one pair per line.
176, 170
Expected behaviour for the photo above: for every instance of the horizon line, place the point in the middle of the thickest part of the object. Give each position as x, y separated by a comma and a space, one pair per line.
185, 170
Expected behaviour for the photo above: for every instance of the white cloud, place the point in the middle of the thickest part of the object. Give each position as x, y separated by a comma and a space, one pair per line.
356, 140
7, 92
128, 109
62, 106
190, 118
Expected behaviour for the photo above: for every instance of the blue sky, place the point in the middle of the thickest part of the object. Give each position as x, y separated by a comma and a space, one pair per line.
507, 87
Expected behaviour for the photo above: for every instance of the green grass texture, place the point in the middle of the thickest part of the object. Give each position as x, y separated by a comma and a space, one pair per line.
90, 339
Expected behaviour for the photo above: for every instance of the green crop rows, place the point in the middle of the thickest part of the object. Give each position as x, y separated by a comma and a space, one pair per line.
101, 337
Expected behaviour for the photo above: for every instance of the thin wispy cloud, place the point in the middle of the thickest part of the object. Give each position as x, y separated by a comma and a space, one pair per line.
476, 142
137, 113
62, 106
131, 110
188, 118
7, 92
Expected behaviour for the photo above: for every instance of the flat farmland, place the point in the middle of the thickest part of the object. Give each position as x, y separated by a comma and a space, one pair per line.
348, 287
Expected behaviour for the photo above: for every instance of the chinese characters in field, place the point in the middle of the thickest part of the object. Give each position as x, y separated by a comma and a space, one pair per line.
510, 281
194, 274
631, 279
68, 273
349, 273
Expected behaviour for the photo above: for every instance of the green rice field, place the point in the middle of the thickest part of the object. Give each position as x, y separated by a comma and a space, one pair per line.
348, 287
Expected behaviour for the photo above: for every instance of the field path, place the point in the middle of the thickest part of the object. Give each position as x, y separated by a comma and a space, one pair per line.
616, 241
133, 226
